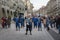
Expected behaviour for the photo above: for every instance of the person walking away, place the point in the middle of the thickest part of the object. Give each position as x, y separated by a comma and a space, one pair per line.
9, 21
54, 21
16, 20
58, 20
51, 22
47, 23
21, 19
6, 21
39, 24
35, 21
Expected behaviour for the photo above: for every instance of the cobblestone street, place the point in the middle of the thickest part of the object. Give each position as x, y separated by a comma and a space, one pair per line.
12, 34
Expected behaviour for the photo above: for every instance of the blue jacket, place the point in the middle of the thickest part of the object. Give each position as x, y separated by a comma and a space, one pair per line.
35, 20
39, 22
16, 20
21, 20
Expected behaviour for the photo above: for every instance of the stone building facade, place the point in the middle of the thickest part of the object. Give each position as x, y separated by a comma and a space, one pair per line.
8, 7
29, 7
53, 7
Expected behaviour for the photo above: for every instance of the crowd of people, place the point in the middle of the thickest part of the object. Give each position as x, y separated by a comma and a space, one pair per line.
37, 21
6, 21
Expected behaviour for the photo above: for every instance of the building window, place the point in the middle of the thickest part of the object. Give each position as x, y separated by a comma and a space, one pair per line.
8, 11
14, 4
3, 10
20, 8
26, 8
11, 12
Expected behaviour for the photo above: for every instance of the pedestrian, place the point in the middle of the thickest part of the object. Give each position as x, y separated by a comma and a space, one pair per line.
6, 21
16, 20
51, 22
21, 20
54, 22
44, 22
28, 25
47, 23
39, 24
9, 21
35, 21
58, 21
3, 22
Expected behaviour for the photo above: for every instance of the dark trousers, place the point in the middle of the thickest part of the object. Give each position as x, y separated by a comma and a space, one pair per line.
39, 26
57, 25
47, 25
35, 25
59, 28
28, 28
17, 26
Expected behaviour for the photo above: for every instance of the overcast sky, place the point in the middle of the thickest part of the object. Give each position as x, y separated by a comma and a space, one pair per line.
38, 3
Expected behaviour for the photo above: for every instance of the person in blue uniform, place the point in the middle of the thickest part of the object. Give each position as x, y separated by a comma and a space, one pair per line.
35, 21
16, 20
22, 21
39, 24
